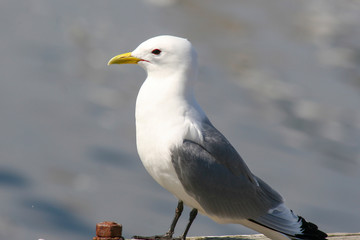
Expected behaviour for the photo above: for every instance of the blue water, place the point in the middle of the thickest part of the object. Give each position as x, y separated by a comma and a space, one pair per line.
279, 78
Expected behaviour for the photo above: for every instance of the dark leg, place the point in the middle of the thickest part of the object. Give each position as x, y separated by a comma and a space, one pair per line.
178, 211
170, 233
192, 217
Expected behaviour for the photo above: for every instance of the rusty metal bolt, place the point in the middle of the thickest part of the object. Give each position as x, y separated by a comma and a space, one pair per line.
108, 231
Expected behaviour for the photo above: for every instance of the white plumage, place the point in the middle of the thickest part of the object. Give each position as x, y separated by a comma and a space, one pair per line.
166, 110
186, 155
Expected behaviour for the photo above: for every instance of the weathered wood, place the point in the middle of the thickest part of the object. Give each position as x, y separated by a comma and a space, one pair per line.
332, 236
112, 231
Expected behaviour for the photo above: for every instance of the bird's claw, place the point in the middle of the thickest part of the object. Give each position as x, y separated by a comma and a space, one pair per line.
158, 237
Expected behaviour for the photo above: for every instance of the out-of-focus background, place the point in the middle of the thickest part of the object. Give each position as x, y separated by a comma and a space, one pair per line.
280, 78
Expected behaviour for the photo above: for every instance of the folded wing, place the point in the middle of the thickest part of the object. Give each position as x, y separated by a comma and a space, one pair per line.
213, 173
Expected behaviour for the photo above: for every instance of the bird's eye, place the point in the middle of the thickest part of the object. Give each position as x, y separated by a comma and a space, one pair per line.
156, 51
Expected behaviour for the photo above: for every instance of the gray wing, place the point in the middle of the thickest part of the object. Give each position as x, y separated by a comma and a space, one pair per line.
215, 175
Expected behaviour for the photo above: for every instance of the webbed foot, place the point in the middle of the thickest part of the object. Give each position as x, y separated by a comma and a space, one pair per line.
166, 236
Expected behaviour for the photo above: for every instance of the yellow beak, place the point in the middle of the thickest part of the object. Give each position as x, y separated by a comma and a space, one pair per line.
124, 58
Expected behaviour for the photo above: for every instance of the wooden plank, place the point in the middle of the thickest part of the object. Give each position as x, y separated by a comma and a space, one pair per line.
111, 230
343, 236
332, 236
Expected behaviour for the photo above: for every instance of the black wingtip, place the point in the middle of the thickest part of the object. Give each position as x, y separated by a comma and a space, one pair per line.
310, 231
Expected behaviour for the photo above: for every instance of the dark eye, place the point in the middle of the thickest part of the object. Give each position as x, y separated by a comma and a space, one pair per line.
156, 51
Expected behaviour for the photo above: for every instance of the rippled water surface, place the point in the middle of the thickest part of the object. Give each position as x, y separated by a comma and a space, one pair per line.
279, 78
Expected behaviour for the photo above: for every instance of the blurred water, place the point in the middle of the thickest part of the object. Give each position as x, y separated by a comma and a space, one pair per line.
279, 78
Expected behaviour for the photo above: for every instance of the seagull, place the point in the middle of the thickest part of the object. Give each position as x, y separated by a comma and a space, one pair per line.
182, 150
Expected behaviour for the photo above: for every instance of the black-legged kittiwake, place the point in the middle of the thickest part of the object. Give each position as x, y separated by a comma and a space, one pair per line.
189, 157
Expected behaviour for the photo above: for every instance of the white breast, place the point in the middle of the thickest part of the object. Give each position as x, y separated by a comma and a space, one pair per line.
162, 122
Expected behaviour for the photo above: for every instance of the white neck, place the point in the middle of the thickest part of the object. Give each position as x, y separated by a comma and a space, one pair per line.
166, 105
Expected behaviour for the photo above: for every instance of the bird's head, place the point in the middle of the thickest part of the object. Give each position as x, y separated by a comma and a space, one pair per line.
161, 56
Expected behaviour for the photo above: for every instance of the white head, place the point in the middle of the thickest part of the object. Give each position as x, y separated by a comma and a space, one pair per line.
162, 56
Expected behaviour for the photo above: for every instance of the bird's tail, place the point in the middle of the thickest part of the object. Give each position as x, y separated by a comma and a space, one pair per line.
282, 224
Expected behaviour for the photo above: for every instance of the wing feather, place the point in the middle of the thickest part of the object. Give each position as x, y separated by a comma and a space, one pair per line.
215, 175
